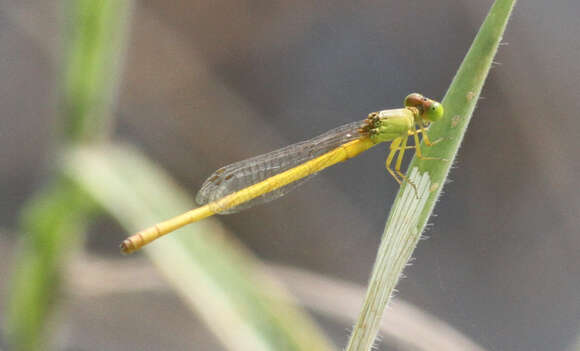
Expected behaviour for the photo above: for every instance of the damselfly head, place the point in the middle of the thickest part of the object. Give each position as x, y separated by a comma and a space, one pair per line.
430, 110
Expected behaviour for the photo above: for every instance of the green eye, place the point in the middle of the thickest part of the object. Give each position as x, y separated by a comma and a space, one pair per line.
434, 112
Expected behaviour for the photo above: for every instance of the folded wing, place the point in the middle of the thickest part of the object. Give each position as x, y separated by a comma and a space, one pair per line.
242, 174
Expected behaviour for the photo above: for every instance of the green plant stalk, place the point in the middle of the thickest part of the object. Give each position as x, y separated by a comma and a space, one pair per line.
53, 219
95, 36
213, 273
50, 223
409, 214
222, 282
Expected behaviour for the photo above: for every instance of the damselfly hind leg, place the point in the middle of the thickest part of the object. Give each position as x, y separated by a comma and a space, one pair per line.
399, 145
394, 147
402, 149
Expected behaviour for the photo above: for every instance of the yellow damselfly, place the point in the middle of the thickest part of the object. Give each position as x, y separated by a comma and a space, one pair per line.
267, 177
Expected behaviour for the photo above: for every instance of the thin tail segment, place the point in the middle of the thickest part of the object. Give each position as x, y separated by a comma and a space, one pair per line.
144, 237
341, 153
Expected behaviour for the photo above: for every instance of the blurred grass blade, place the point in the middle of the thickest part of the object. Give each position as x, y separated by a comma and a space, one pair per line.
93, 47
51, 222
214, 274
95, 33
409, 215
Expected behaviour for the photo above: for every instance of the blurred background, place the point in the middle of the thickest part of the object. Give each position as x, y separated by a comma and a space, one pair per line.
204, 84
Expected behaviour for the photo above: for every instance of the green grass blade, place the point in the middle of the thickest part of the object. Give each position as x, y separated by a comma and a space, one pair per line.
409, 215
95, 36
50, 224
213, 273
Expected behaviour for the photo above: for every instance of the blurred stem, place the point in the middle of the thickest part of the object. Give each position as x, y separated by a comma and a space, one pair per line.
212, 272
50, 223
409, 214
95, 35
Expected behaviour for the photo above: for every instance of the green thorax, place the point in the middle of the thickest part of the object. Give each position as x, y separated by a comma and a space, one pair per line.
388, 125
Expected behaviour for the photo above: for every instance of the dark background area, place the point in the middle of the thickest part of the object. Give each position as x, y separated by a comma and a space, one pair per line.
209, 83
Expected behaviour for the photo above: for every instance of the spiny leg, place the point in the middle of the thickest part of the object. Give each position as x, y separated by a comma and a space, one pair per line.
401, 149
424, 131
427, 142
425, 136
394, 147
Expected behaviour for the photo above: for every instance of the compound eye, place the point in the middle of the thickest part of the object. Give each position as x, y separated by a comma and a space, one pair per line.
414, 100
433, 112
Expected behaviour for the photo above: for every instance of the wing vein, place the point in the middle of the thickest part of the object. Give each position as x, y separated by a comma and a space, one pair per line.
242, 174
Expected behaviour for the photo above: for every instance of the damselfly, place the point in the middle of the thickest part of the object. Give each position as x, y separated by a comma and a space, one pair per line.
267, 177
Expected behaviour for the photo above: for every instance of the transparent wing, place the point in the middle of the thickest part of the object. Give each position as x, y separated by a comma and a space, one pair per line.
242, 174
